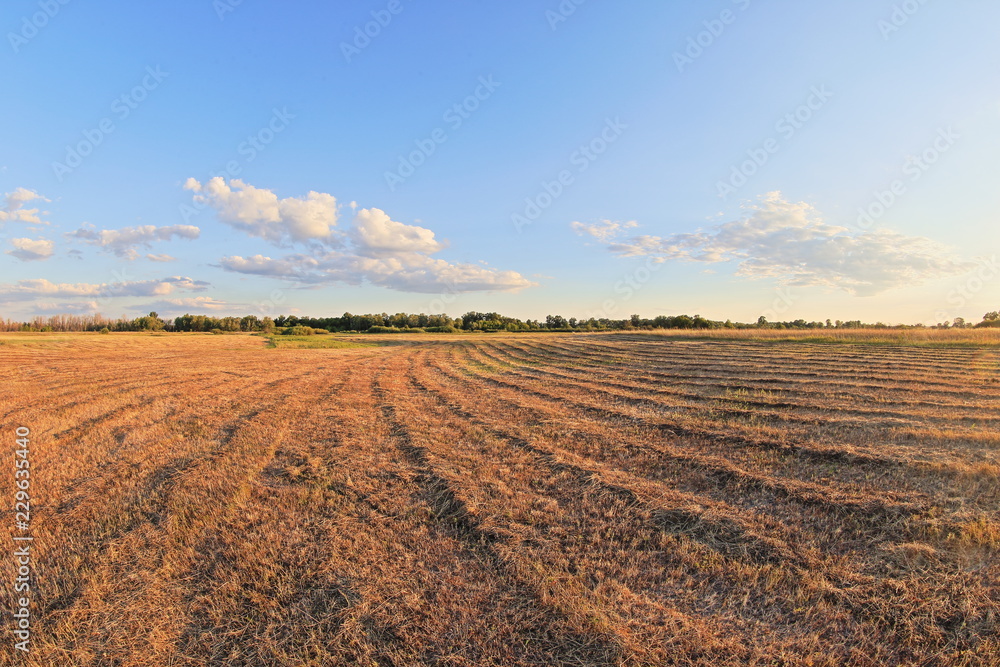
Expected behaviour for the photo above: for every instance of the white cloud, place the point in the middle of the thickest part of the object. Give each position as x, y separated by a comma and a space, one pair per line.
375, 249
294, 267
790, 242
31, 249
603, 230
376, 235
260, 213
40, 287
428, 275
196, 303
410, 272
59, 308
13, 208
123, 242
160, 258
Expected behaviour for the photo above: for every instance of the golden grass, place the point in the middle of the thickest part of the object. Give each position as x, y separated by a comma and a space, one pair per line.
577, 499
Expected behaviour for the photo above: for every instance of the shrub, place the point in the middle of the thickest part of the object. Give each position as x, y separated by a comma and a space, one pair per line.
105, 330
444, 329
217, 331
378, 328
299, 330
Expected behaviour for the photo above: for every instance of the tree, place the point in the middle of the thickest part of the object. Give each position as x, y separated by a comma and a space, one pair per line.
229, 324
151, 322
249, 323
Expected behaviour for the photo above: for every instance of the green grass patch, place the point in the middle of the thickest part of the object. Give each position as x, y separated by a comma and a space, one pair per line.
282, 342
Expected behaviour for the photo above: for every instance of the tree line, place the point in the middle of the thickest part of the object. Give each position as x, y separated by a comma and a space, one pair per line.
409, 322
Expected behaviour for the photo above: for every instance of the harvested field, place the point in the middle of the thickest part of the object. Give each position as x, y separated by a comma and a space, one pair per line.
587, 499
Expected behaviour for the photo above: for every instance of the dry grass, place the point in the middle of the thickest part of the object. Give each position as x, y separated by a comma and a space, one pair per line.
605, 499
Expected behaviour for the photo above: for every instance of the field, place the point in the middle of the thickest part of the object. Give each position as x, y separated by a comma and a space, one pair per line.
577, 499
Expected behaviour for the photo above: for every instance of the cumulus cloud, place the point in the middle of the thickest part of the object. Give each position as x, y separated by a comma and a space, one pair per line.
40, 287
28, 250
123, 242
376, 235
160, 258
13, 208
260, 213
791, 243
374, 249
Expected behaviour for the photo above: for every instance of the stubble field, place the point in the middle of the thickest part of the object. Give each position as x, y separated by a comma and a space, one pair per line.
588, 499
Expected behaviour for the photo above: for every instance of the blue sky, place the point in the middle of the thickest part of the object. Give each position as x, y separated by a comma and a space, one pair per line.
581, 158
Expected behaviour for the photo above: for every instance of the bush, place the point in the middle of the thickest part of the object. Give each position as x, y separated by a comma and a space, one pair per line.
298, 330
217, 331
105, 330
378, 328
444, 329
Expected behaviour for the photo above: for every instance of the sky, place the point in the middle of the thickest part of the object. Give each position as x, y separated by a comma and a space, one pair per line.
728, 158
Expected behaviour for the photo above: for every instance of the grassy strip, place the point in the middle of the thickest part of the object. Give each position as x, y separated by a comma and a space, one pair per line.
967, 338
311, 342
